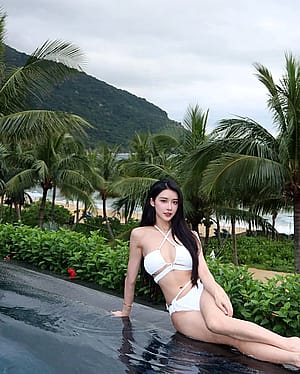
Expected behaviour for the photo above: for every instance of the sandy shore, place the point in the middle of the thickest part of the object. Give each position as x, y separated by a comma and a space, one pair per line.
264, 274
72, 207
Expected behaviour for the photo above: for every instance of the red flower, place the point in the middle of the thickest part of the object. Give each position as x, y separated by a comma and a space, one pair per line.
72, 272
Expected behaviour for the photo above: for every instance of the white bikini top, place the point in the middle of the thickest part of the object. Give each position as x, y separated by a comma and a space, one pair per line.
154, 262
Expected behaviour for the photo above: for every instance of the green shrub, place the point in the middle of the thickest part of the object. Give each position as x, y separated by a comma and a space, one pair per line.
30, 214
120, 230
7, 215
259, 252
91, 257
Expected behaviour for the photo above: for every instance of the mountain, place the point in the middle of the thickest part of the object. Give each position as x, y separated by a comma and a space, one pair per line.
115, 114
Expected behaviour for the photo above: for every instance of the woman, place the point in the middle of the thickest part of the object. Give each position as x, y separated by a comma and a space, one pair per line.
199, 307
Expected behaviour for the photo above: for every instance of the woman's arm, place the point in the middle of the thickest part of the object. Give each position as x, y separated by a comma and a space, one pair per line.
209, 283
135, 256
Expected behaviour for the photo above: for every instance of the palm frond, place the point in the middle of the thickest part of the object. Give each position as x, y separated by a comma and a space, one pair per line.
41, 169
76, 178
274, 102
244, 216
195, 122
242, 128
37, 124
135, 188
58, 51
46, 67
197, 160
23, 180
73, 192
165, 141
141, 169
244, 173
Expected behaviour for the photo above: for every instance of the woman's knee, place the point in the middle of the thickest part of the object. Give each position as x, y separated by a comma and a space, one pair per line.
216, 323
215, 320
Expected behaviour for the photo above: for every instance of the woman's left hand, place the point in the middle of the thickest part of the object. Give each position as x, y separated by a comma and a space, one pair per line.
222, 301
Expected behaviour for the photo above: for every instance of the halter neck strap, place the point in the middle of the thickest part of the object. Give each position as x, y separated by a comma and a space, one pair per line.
164, 235
160, 230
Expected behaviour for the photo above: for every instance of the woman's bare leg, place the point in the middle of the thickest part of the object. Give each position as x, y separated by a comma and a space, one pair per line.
192, 325
219, 323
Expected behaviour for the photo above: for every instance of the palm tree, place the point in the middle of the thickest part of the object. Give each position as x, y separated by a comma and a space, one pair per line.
199, 207
105, 163
227, 204
48, 65
151, 158
264, 165
16, 159
55, 162
195, 122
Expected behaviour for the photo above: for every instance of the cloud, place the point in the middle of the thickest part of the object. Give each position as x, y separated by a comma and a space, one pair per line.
173, 53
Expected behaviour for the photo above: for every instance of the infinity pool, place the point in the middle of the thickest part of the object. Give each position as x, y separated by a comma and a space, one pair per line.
53, 326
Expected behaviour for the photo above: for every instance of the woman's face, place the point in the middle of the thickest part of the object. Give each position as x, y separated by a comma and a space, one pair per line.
165, 204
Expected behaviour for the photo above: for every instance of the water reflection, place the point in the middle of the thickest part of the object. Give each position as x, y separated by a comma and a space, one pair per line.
178, 354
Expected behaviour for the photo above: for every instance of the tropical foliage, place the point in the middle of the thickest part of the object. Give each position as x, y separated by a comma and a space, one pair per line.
263, 168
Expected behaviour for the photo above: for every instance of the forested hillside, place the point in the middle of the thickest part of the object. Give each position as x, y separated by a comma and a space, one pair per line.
115, 114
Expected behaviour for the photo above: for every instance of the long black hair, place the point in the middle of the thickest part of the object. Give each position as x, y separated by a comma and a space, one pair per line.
180, 228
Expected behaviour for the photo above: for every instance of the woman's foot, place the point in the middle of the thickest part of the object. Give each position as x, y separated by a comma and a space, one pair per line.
293, 344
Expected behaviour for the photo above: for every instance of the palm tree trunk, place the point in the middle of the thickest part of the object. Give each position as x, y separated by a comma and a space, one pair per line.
207, 223
206, 239
43, 207
131, 210
53, 203
1, 206
234, 246
274, 216
18, 210
218, 230
106, 218
297, 232
77, 211
104, 206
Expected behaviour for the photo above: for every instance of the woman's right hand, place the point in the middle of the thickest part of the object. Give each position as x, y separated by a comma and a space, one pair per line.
119, 313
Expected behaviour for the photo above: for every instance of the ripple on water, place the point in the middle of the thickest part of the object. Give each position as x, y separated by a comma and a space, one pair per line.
167, 354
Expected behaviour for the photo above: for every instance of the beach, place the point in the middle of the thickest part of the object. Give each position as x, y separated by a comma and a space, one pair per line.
284, 220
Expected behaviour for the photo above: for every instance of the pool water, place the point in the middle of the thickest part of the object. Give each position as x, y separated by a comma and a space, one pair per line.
51, 326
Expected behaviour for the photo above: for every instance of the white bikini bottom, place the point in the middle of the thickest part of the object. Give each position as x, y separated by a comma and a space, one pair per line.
188, 302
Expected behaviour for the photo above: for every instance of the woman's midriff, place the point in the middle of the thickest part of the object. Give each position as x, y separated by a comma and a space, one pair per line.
173, 282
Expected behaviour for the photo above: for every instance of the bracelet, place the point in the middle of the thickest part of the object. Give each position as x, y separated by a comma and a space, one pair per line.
128, 305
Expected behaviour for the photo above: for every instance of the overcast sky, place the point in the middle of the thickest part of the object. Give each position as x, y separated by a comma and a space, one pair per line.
173, 53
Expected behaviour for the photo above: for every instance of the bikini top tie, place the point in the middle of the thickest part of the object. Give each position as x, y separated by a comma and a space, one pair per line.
158, 267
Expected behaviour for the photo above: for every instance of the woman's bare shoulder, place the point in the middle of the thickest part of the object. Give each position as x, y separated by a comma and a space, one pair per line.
138, 232
198, 240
